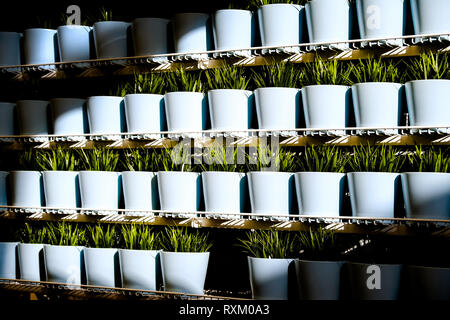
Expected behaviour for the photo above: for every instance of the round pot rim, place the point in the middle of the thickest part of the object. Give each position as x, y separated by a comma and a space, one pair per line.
372, 83
278, 88
271, 172
138, 171
10, 242
60, 171
282, 4
275, 259
321, 172
99, 171
138, 250
74, 26
230, 90
416, 266
233, 10
112, 97
177, 172
100, 249
13, 103
11, 32
31, 244
35, 171
151, 18
67, 99
184, 92
429, 80
64, 246
143, 95
322, 261
425, 172
31, 100
191, 14
376, 264
183, 253
223, 172
326, 86
373, 173
113, 21
42, 29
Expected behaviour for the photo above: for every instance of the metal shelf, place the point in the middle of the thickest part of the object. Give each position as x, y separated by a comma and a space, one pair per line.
405, 135
244, 221
405, 46
85, 292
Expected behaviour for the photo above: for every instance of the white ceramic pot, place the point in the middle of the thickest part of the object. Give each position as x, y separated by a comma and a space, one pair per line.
7, 127
4, 181
61, 189
68, 116
32, 117
427, 283
192, 32
269, 278
326, 107
179, 191
139, 269
186, 111
373, 194
99, 189
75, 43
10, 48
111, 39
40, 46
102, 267
140, 191
224, 192
271, 192
150, 36
145, 114
427, 195
26, 188
31, 261
230, 109
184, 271
64, 264
320, 193
105, 115
319, 280
431, 17
8, 258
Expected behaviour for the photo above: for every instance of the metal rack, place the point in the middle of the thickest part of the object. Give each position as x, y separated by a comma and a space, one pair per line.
404, 46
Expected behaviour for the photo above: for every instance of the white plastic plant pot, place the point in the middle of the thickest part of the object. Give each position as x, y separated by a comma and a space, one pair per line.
427, 195
269, 278
8, 260
184, 271
186, 111
430, 17
7, 119
61, 190
381, 19
281, 24
329, 21
102, 267
420, 95
26, 189
374, 281
231, 109
271, 192
192, 34
140, 269
224, 192
150, 37
233, 29
31, 261
179, 192
373, 194
32, 118
319, 280
68, 116
10, 49
75, 43
278, 108
111, 39
140, 191
145, 114
106, 115
100, 190
427, 283
4, 189
377, 105
320, 193
326, 107
40, 47
64, 264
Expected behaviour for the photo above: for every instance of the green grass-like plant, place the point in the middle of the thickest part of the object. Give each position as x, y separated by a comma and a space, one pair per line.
57, 159
32, 234
227, 77
142, 159
141, 237
150, 83
430, 159
263, 158
375, 70
318, 244
177, 159
376, 159
180, 239
430, 65
98, 159
106, 14
328, 72
101, 236
269, 244
323, 159
68, 234
182, 80
217, 157
284, 75
27, 160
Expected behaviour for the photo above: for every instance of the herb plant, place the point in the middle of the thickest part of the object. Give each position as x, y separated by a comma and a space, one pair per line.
32, 234
151, 83
227, 77
142, 159
218, 157
264, 158
284, 75
269, 244
429, 66
57, 159
328, 72
68, 234
182, 80
318, 244
430, 159
101, 236
376, 159
323, 159
180, 239
99, 159
142, 237
375, 70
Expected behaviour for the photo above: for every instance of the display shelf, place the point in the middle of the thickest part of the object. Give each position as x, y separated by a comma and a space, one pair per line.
85, 292
404, 135
243, 221
412, 45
